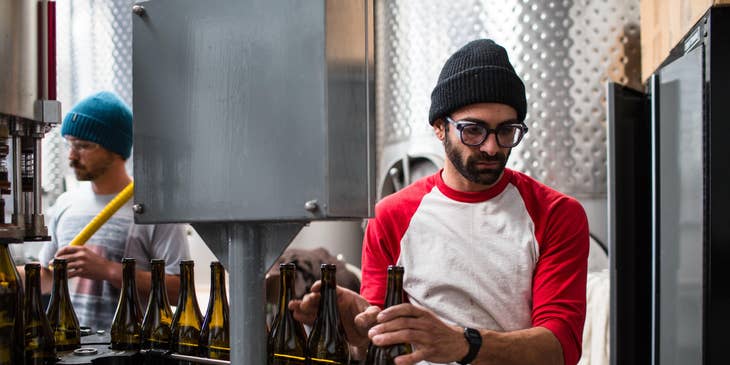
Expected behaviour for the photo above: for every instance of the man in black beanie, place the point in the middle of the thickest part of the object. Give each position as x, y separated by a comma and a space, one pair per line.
495, 262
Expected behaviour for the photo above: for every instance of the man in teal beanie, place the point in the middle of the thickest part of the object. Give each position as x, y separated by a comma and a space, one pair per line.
101, 118
99, 134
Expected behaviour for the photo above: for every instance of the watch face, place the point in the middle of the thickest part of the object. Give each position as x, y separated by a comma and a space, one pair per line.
473, 336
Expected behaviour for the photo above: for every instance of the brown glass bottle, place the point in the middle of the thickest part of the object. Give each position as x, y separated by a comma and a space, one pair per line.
126, 327
156, 331
287, 341
215, 333
393, 296
39, 344
12, 339
186, 322
60, 311
327, 343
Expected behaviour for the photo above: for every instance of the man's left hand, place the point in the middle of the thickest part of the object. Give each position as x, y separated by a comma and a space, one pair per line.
432, 339
84, 262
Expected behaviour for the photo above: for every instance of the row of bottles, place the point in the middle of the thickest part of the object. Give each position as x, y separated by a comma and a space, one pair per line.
28, 335
288, 343
186, 332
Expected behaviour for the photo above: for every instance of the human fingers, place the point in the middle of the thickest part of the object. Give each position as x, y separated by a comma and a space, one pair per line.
409, 359
74, 269
404, 335
68, 250
400, 310
367, 318
305, 310
316, 287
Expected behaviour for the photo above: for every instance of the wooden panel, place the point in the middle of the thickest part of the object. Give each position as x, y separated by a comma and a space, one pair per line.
663, 24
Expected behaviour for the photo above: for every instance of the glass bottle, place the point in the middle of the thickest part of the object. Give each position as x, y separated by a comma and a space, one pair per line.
215, 334
39, 345
156, 330
287, 341
327, 343
126, 328
393, 296
12, 339
60, 311
186, 322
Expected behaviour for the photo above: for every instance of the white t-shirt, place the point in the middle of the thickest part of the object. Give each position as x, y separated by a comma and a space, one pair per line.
95, 301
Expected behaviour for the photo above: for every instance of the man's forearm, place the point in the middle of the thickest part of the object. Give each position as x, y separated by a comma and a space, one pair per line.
536, 345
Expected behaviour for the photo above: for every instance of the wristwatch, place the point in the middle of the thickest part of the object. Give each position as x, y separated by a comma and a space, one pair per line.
474, 338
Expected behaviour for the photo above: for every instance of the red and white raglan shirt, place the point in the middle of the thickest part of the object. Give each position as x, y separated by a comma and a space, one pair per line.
507, 258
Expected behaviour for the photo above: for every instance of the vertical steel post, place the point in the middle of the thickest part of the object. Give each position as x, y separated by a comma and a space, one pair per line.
246, 281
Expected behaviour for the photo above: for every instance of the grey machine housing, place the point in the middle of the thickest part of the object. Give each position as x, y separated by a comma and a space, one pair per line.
253, 111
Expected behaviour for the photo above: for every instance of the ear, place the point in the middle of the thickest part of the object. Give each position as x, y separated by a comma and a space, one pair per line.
438, 129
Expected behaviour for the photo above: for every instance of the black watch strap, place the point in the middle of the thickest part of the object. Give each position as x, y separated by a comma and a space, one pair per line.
474, 338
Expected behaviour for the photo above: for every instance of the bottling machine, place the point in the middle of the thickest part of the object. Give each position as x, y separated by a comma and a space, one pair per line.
28, 110
252, 118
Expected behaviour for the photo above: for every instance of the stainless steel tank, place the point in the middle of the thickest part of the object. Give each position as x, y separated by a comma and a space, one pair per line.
565, 51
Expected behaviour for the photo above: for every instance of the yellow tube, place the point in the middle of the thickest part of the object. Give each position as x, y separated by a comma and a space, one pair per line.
104, 215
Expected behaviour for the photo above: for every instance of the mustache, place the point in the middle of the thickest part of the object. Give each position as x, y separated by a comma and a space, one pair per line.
75, 164
485, 157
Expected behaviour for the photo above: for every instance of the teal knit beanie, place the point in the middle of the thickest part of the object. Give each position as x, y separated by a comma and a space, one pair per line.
102, 118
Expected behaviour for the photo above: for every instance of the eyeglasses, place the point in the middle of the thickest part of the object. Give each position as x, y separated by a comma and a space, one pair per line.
81, 146
473, 134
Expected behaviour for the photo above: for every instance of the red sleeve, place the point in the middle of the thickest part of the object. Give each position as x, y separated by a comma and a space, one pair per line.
381, 244
377, 254
559, 282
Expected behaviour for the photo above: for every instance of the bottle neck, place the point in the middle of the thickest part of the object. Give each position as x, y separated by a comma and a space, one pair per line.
394, 293
159, 288
218, 286
286, 284
187, 288
60, 282
328, 302
33, 290
129, 286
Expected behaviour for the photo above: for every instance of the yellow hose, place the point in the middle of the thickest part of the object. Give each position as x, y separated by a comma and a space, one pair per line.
104, 215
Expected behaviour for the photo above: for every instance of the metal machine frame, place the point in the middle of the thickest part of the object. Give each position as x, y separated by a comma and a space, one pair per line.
249, 125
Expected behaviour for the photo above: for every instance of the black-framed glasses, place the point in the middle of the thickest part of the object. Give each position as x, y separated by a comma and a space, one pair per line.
473, 134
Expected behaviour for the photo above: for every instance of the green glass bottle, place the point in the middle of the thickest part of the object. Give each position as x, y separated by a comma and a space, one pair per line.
156, 331
327, 343
215, 333
126, 328
287, 341
12, 340
186, 322
40, 348
393, 296
60, 311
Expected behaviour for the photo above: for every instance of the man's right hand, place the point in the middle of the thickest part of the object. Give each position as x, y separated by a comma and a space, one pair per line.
356, 314
86, 262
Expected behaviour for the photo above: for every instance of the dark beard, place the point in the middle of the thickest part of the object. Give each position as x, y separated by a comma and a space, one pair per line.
469, 169
85, 173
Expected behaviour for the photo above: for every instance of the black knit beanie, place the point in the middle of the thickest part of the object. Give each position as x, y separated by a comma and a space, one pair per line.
479, 72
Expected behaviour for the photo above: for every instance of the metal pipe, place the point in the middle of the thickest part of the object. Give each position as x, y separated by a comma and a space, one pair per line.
246, 258
37, 186
17, 188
